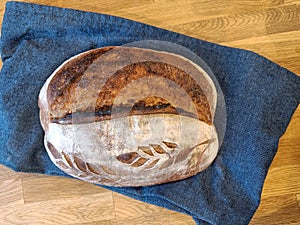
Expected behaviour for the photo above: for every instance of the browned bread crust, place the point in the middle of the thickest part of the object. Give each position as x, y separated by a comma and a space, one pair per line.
64, 86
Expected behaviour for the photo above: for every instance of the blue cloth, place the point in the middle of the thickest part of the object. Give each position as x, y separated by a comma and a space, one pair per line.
260, 99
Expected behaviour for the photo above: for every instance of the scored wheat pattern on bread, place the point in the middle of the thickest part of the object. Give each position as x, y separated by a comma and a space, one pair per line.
151, 155
146, 157
74, 163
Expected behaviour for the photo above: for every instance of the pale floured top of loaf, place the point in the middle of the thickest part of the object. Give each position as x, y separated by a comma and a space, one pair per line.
136, 156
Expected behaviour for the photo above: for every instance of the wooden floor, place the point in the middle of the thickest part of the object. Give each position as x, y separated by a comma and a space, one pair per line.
268, 27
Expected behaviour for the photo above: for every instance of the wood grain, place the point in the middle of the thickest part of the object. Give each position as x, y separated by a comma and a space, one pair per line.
102, 222
96, 207
268, 27
282, 48
157, 219
283, 180
272, 209
11, 192
34, 185
128, 209
244, 25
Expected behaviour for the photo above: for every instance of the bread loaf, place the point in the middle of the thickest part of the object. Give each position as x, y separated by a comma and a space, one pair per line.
126, 116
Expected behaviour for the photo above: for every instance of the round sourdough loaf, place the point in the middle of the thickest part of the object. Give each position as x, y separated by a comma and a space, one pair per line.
127, 116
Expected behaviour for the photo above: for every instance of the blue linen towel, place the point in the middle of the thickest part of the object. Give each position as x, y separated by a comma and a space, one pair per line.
260, 99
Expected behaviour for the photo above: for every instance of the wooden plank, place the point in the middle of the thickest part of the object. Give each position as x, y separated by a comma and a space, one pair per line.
284, 155
288, 62
288, 2
277, 210
156, 219
164, 12
282, 180
244, 25
282, 48
278, 45
288, 153
176, 12
293, 130
6, 173
132, 211
92, 6
50, 188
129, 208
82, 209
104, 222
2, 6
11, 192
